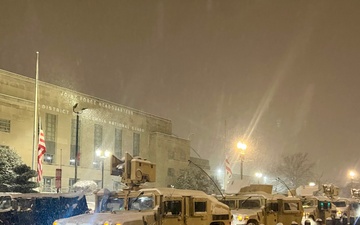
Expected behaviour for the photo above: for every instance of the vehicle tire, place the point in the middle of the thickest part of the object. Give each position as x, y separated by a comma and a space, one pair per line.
252, 222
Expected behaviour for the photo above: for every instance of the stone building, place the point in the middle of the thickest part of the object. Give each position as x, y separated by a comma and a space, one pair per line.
103, 125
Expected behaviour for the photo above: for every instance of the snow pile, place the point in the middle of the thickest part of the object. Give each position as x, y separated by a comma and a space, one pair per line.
85, 186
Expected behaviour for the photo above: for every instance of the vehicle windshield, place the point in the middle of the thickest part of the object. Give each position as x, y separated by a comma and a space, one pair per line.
340, 204
5, 202
354, 205
141, 203
308, 203
249, 204
230, 203
114, 204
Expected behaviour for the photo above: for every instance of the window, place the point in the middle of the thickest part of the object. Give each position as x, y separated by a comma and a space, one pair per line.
118, 143
172, 208
48, 158
171, 154
98, 137
230, 203
48, 184
5, 202
292, 206
136, 144
273, 207
5, 125
200, 207
171, 172
50, 136
73, 142
97, 163
71, 182
249, 204
182, 155
141, 203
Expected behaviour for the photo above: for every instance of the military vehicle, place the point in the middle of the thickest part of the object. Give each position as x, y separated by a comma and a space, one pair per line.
354, 207
342, 206
39, 208
158, 206
316, 206
255, 204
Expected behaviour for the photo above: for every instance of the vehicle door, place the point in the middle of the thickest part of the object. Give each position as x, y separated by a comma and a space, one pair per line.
290, 210
173, 211
271, 213
199, 212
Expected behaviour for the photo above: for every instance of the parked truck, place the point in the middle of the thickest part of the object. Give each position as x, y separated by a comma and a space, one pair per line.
255, 205
136, 205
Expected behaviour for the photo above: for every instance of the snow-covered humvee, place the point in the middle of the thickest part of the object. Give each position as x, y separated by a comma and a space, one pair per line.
255, 204
158, 206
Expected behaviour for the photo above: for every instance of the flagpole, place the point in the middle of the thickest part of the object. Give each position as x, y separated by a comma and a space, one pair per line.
225, 159
35, 112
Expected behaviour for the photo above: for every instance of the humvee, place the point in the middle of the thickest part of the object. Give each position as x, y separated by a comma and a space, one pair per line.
319, 207
255, 205
159, 206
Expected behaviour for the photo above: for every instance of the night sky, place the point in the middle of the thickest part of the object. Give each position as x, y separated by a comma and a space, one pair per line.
281, 75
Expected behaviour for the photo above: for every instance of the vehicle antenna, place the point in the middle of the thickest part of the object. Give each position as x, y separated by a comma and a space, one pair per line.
281, 181
209, 177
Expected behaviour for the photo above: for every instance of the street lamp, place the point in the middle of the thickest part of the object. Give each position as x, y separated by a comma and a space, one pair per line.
258, 175
77, 112
352, 176
242, 147
102, 155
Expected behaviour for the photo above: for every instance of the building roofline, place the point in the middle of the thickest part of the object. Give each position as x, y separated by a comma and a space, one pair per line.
170, 135
32, 80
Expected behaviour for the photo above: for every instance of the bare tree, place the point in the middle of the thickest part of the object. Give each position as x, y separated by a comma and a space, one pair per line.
295, 169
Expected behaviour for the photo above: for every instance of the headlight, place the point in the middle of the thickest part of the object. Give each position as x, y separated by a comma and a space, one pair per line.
241, 218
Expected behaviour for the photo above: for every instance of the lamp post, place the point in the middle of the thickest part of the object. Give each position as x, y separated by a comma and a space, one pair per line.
102, 155
242, 147
77, 112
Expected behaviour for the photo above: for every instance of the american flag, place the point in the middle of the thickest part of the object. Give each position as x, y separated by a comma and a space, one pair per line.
41, 152
228, 168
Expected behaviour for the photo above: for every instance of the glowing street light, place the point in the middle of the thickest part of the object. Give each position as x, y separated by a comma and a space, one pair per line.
102, 155
242, 147
352, 175
258, 175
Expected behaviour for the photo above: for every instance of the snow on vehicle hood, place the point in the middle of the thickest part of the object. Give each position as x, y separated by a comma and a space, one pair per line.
125, 217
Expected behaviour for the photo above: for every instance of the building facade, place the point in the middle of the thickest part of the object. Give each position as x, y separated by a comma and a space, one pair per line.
103, 125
